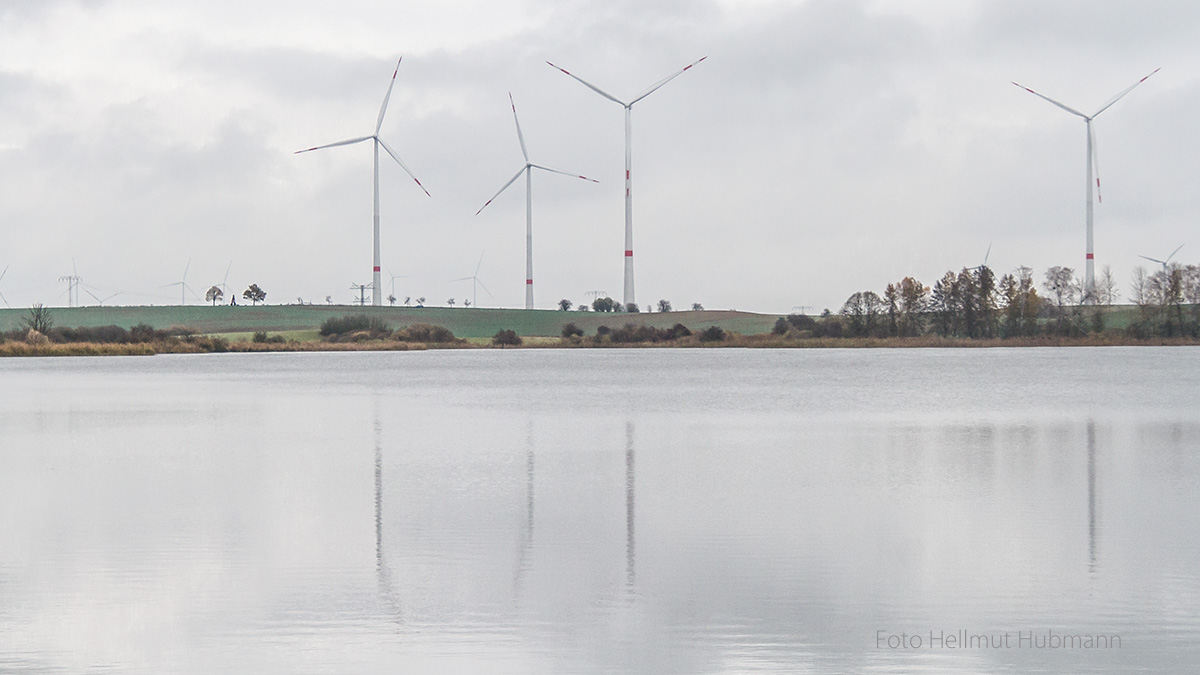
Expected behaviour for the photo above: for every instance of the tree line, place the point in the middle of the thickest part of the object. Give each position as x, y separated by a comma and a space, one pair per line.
973, 303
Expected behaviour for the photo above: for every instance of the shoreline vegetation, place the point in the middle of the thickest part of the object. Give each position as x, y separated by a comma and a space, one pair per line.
422, 337
970, 308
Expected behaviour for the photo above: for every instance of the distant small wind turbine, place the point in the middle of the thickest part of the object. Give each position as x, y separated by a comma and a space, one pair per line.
100, 301
985, 259
1164, 263
394, 278
474, 279
628, 297
73, 281
224, 288
2, 279
377, 286
1092, 164
528, 171
182, 284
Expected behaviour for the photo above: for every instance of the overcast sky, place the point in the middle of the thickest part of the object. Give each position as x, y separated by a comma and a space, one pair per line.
824, 146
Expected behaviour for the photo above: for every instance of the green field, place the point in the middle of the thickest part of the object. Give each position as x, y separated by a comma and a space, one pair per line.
463, 322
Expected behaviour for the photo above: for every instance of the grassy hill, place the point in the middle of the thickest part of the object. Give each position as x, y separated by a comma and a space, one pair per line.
463, 322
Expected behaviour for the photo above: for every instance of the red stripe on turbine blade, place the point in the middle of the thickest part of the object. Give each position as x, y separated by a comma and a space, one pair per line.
628, 254
626, 174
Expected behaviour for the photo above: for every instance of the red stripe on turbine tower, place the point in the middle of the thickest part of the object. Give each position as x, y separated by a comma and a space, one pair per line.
1091, 256
376, 269
529, 282
628, 254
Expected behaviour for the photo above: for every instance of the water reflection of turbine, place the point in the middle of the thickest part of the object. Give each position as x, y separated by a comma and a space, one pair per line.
1091, 458
630, 569
383, 574
527, 537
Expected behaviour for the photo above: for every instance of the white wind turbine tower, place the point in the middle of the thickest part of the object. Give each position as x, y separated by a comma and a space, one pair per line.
377, 286
628, 296
1090, 275
528, 171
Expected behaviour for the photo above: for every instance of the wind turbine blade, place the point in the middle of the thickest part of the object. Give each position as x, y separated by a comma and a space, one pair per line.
462, 279
481, 262
573, 175
351, 141
986, 255
520, 136
665, 80
589, 85
510, 182
185, 271
1174, 252
93, 296
485, 288
1160, 262
406, 169
388, 95
226, 279
4, 272
1047, 98
5, 301
1095, 160
1121, 95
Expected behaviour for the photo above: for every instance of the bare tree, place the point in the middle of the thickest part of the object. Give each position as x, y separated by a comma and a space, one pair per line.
38, 319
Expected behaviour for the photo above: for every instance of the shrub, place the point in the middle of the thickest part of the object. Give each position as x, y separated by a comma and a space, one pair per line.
208, 343
712, 334
337, 327
146, 333
677, 331
101, 334
505, 338
425, 332
571, 330
261, 337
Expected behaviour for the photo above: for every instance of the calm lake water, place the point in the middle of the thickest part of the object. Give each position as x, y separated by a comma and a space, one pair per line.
564, 511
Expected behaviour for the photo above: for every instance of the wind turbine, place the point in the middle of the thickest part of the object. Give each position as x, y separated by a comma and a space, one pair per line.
394, 278
628, 296
100, 301
985, 259
73, 280
224, 289
183, 287
1092, 164
2, 279
474, 279
528, 171
376, 294
1163, 262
